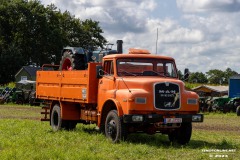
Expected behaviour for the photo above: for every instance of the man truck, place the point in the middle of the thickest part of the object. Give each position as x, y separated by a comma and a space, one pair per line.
120, 93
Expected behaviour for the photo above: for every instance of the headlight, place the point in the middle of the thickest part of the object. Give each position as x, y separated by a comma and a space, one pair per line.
137, 118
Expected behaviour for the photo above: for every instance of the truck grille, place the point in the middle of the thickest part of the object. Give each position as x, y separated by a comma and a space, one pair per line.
167, 96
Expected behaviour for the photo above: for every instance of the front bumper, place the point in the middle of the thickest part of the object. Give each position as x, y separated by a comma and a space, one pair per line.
155, 118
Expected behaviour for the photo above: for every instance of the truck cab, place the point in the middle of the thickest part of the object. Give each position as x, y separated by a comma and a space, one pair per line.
145, 92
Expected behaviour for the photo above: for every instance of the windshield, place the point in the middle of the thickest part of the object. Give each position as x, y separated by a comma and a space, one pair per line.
146, 67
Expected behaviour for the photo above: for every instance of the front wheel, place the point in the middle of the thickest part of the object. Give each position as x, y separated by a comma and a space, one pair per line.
114, 127
181, 135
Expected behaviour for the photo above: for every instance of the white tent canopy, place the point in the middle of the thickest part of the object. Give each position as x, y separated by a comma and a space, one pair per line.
26, 82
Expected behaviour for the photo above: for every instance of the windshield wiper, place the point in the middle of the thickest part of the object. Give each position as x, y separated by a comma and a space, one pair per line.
150, 73
128, 72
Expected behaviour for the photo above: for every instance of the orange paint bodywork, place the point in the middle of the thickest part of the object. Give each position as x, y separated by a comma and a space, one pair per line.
82, 96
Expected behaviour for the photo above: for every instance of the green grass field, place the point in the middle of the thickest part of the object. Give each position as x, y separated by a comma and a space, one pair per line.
24, 137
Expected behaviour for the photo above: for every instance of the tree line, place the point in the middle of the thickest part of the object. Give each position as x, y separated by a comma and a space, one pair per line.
33, 33
214, 76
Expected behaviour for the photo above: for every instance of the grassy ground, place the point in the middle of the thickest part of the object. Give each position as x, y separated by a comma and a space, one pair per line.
23, 136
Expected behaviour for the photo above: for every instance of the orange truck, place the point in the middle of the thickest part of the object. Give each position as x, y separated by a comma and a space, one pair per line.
120, 93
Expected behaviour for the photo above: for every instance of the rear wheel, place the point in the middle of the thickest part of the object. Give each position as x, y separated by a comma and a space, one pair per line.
66, 62
72, 62
56, 121
114, 127
69, 125
20, 101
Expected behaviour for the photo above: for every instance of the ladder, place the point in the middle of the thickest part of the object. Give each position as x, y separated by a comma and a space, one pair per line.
46, 111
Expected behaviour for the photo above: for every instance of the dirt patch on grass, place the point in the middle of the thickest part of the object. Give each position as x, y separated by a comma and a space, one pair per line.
19, 108
216, 127
20, 112
19, 117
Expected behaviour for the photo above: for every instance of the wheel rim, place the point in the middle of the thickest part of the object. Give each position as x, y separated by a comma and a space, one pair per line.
55, 118
112, 129
66, 64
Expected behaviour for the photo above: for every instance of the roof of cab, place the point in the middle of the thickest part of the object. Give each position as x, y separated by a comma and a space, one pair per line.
137, 56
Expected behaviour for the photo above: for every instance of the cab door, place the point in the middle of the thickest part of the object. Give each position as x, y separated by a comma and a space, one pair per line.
106, 86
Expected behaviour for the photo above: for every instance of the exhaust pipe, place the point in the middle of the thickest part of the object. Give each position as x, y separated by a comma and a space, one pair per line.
119, 46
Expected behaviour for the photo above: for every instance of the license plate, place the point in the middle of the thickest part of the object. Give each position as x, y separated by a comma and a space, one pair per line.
172, 120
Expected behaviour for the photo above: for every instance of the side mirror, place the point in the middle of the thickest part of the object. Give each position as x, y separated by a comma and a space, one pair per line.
99, 71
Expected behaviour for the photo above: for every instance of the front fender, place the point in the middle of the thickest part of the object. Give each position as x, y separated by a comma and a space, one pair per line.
109, 105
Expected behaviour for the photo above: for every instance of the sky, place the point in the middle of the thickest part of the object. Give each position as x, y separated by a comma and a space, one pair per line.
199, 34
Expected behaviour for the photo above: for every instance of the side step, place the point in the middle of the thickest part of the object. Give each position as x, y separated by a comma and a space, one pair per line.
46, 112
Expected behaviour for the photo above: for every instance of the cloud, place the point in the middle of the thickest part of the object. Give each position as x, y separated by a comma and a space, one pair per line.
209, 5
115, 16
203, 35
183, 35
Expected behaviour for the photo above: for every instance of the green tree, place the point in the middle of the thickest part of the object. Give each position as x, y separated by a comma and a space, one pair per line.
93, 33
227, 74
198, 77
31, 32
215, 76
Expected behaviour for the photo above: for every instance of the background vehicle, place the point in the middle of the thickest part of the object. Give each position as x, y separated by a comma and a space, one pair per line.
126, 93
203, 104
219, 103
238, 111
13, 95
232, 105
5, 94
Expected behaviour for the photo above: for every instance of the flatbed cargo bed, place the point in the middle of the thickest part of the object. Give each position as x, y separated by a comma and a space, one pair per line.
71, 86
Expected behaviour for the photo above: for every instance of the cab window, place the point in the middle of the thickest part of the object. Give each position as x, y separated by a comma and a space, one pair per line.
108, 68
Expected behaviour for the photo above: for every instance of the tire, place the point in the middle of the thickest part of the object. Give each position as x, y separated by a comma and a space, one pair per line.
67, 61
56, 120
37, 104
79, 61
72, 62
181, 135
209, 109
114, 127
69, 125
31, 100
7, 100
238, 111
19, 101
